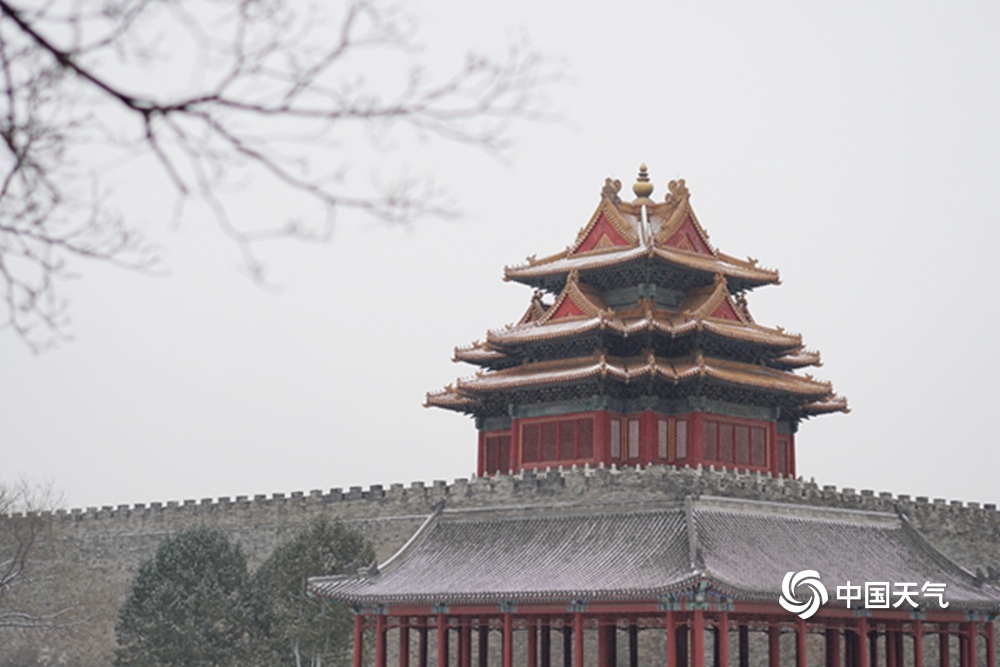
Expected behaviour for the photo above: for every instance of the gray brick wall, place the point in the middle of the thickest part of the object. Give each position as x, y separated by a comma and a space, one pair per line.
85, 559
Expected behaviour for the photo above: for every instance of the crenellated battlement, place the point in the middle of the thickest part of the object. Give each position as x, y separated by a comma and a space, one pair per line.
584, 482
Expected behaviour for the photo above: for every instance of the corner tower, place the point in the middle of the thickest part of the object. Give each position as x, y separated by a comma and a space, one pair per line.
638, 347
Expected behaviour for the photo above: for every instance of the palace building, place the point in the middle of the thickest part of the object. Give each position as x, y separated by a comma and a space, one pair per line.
638, 351
638, 347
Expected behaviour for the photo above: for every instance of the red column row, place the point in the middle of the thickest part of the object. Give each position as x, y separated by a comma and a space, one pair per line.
685, 642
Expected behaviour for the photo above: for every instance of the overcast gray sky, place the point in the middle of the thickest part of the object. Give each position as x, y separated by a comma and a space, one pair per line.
853, 146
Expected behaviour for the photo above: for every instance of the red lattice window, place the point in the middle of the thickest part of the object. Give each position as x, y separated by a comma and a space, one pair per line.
633, 439
742, 445
550, 441
616, 439
783, 447
661, 439
497, 454
530, 435
711, 445
726, 452
682, 439
557, 440
758, 446
567, 440
732, 443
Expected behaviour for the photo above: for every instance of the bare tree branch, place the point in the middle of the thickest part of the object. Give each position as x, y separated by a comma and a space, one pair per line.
272, 89
23, 517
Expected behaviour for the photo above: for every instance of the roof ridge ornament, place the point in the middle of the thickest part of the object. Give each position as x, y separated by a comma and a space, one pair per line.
743, 307
642, 187
678, 190
611, 189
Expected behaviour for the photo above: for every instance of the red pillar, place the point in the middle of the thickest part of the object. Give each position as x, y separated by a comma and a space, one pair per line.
602, 427
772, 447
404, 641
863, 642
481, 461
697, 638
508, 640
465, 643
890, 648
514, 460
380, 640
791, 457
532, 642
800, 643
918, 643
990, 649
832, 647
578, 640
723, 638
970, 643
773, 645
605, 643
359, 638
944, 654
442, 640
671, 648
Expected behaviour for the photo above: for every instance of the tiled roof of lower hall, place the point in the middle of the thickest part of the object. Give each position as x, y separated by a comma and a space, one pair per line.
741, 548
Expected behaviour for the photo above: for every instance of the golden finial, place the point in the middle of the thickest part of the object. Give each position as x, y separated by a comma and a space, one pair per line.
642, 188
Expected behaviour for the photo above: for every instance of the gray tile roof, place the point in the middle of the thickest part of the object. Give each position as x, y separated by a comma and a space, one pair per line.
741, 548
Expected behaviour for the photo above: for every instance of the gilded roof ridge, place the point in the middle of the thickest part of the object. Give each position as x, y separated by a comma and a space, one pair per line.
719, 294
618, 222
587, 299
680, 198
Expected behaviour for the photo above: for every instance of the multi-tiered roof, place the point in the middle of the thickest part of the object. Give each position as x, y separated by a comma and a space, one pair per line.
643, 304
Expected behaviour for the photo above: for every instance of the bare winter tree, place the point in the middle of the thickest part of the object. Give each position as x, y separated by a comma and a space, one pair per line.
22, 520
222, 96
